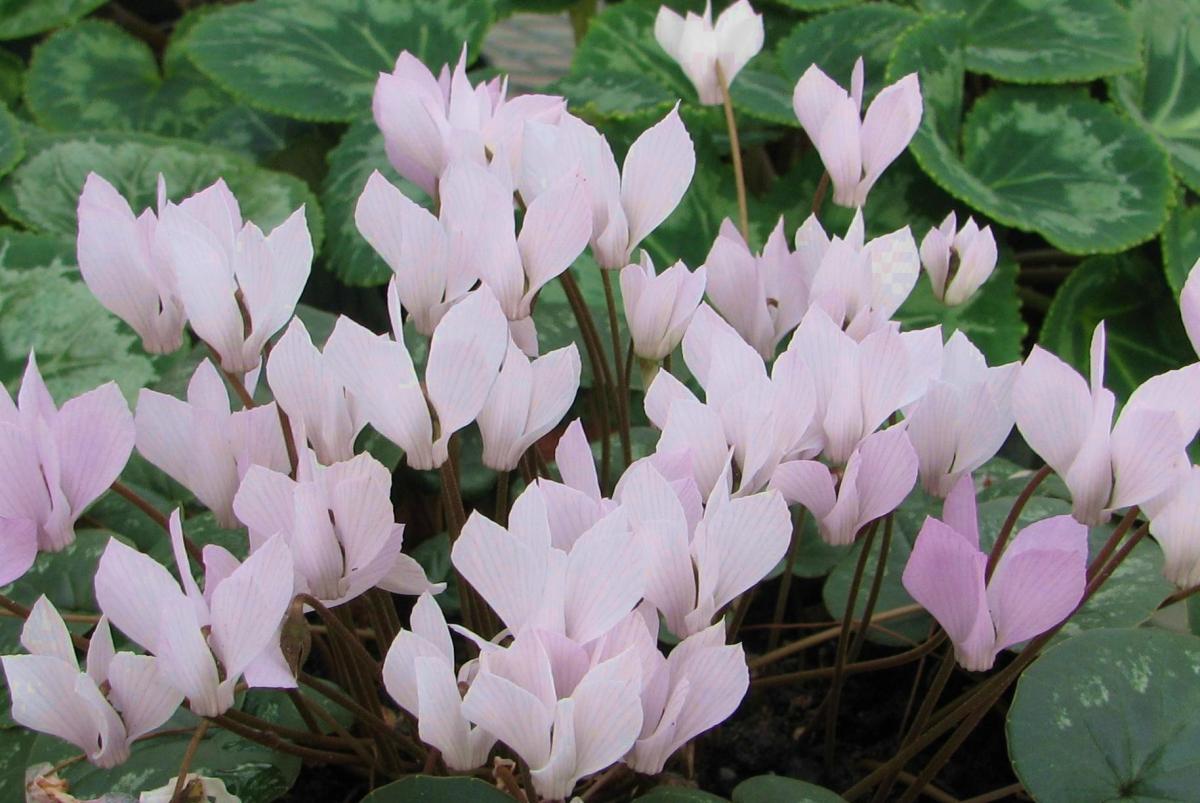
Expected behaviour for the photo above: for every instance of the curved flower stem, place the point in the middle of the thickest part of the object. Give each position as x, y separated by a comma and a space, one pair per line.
873, 665
143, 504
833, 699
362, 715
785, 580
945, 670
1179, 596
735, 148
188, 755
501, 516
621, 393
601, 375
273, 741
1013, 515
1117, 534
822, 636
860, 634
819, 196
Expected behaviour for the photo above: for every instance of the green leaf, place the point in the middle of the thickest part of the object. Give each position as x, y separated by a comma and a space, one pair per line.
12, 147
25, 249
423, 789
1181, 245
256, 774
350, 165
763, 92
21, 18
1145, 333
15, 742
677, 794
1048, 160
619, 69
991, 318
79, 344
777, 789
12, 78
1045, 41
834, 41
1109, 715
94, 76
44, 191
1163, 96
816, 5
320, 61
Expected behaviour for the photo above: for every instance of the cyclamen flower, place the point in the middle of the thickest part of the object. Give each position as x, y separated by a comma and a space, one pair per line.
1069, 423
879, 474
315, 400
1038, 581
526, 402
765, 419
56, 463
1189, 306
627, 205
856, 152
123, 269
238, 286
858, 284
418, 673
958, 261
120, 696
465, 355
339, 525
1175, 525
701, 47
763, 296
236, 620
659, 307
202, 445
429, 122
963, 418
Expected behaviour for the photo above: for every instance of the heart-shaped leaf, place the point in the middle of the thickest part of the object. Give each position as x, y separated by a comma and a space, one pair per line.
1109, 715
437, 790
1048, 41
1163, 96
777, 789
1181, 245
1048, 160
319, 61
23, 18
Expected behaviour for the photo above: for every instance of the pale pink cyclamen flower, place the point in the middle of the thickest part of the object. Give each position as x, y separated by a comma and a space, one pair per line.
859, 384
1189, 306
465, 355
123, 269
695, 569
856, 151
56, 463
763, 296
700, 47
958, 261
879, 474
859, 284
339, 524
238, 286
429, 122
212, 790
1036, 584
307, 388
565, 724
204, 446
627, 205
120, 696
964, 417
236, 620
1069, 423
437, 260
698, 686
528, 399
659, 307
763, 419
418, 673
1175, 525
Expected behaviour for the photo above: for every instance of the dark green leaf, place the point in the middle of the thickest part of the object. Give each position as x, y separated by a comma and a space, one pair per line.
12, 78
777, 789
320, 61
79, 344
24, 249
1045, 41
1181, 245
44, 191
21, 18
1164, 96
422, 789
1109, 715
12, 147
763, 92
1145, 333
1048, 160
834, 41
816, 5
678, 794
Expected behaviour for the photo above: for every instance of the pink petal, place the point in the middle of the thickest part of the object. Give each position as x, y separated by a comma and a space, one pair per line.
1189, 306
1176, 527
813, 99
739, 544
838, 143
94, 434
45, 633
655, 176
248, 605
889, 124
556, 229
185, 659
959, 511
44, 699
140, 692
440, 721
18, 548
132, 589
506, 571
576, 465
1146, 446
597, 598
514, 715
888, 472
1053, 408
